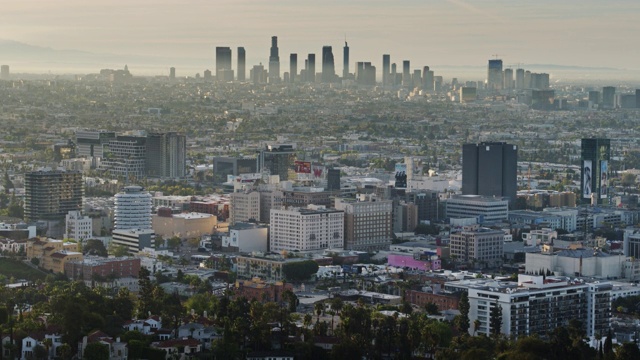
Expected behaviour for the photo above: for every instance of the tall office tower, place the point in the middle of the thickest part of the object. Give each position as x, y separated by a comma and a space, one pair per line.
172, 73
311, 68
539, 81
345, 61
242, 64
328, 66
133, 209
223, 64
608, 96
207, 75
257, 74
166, 154
386, 69
4, 72
367, 222
527, 79
594, 97
594, 186
494, 75
394, 75
428, 80
333, 180
274, 61
638, 98
416, 78
92, 143
519, 78
51, 194
490, 169
508, 79
293, 67
406, 73
277, 159
365, 73
126, 157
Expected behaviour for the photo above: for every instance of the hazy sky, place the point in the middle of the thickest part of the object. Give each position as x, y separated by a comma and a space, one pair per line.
427, 32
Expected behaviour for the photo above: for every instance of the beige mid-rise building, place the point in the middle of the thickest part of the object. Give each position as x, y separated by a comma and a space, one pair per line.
481, 247
245, 207
367, 222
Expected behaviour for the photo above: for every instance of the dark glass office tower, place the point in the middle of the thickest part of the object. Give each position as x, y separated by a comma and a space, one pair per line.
345, 61
406, 73
311, 69
274, 61
223, 63
293, 67
519, 78
386, 69
328, 66
242, 64
608, 96
494, 75
594, 184
490, 169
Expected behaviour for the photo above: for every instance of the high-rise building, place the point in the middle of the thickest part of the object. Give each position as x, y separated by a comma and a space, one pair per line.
386, 70
494, 75
481, 246
507, 82
594, 184
245, 207
4, 72
406, 73
293, 67
277, 159
126, 157
490, 169
345, 61
51, 194
539, 81
258, 75
172, 73
133, 209
166, 154
638, 98
92, 143
333, 180
207, 75
394, 75
367, 222
608, 97
303, 229
242, 64
223, 64
527, 79
365, 73
328, 65
274, 61
594, 97
519, 78
429, 80
311, 68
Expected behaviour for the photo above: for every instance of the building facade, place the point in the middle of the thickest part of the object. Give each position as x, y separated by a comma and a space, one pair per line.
481, 247
78, 227
367, 223
594, 184
490, 169
165, 155
484, 208
133, 209
312, 228
245, 207
51, 194
134, 240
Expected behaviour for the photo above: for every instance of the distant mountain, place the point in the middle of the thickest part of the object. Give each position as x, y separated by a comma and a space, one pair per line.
30, 58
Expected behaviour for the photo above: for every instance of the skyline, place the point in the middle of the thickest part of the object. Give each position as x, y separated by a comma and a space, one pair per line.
456, 34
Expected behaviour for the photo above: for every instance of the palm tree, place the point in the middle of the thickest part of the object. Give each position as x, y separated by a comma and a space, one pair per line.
476, 325
319, 308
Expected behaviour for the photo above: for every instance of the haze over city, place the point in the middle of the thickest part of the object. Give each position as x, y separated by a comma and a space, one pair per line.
455, 36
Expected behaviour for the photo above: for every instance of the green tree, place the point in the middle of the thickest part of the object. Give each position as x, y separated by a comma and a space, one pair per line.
628, 351
94, 247
96, 351
300, 270
462, 321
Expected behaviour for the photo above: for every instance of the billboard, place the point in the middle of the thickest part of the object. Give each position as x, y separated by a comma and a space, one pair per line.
604, 179
401, 176
318, 171
587, 175
303, 167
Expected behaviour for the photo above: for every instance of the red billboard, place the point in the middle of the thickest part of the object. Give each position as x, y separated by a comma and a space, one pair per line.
303, 167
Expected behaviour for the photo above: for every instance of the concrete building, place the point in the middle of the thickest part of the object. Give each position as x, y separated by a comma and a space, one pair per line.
51, 194
277, 160
126, 157
246, 238
405, 217
367, 222
245, 207
539, 237
91, 143
134, 239
303, 229
481, 247
267, 268
578, 262
223, 166
78, 227
166, 155
133, 209
537, 304
184, 225
485, 208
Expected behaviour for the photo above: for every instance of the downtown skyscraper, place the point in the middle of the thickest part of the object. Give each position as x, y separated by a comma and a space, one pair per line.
494, 75
241, 64
274, 61
345, 61
386, 69
293, 67
223, 64
328, 65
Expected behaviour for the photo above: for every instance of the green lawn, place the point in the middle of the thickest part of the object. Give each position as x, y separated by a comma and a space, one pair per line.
18, 270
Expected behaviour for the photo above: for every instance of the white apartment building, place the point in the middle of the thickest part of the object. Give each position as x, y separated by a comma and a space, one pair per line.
539, 237
133, 209
312, 228
485, 208
367, 222
245, 207
78, 227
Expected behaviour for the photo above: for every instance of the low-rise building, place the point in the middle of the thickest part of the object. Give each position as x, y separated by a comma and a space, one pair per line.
260, 290
246, 238
78, 227
268, 268
184, 225
134, 239
97, 268
485, 208
576, 262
